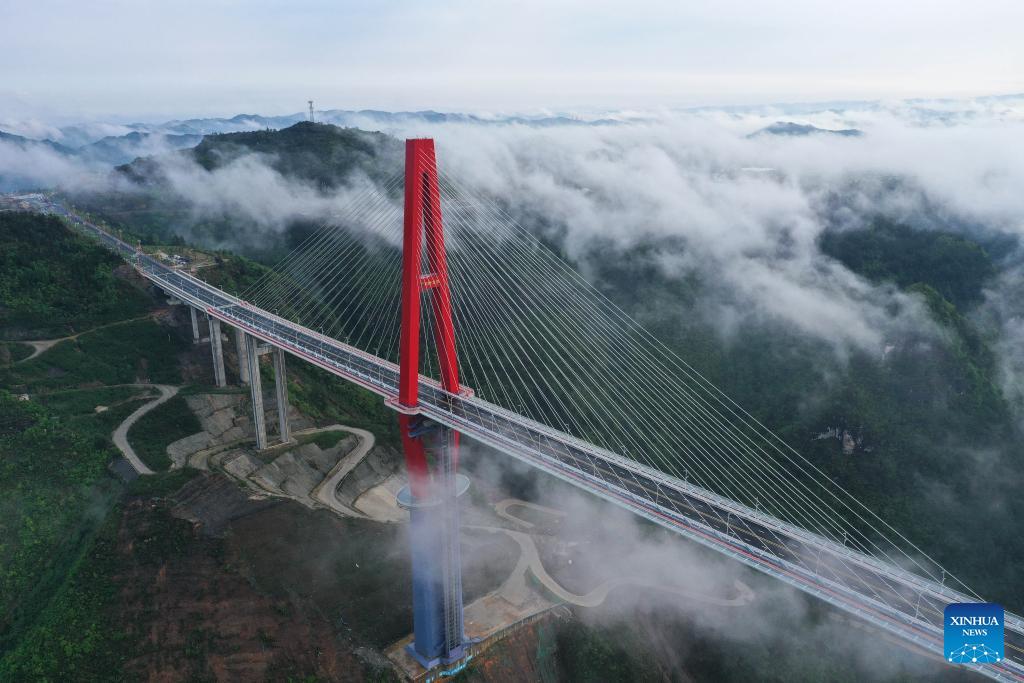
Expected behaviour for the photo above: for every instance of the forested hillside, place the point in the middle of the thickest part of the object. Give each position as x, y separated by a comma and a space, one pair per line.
917, 431
73, 286
92, 564
55, 446
150, 195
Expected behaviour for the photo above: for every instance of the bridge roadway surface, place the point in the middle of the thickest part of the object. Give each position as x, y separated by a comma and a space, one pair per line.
905, 604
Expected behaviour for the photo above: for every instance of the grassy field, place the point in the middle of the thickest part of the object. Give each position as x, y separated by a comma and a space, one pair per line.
76, 402
58, 520
329, 399
13, 352
324, 440
77, 635
55, 491
360, 579
162, 483
159, 428
73, 635
136, 350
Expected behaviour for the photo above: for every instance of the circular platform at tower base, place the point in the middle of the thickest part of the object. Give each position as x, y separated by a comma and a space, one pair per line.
407, 502
458, 655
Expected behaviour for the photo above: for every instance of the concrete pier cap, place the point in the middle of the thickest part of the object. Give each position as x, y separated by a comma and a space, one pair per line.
407, 502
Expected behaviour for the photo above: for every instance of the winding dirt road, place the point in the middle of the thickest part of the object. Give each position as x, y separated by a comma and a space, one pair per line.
325, 491
38, 347
502, 507
120, 435
514, 588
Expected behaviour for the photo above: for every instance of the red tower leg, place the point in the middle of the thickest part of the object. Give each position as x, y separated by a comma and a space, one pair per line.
423, 223
423, 220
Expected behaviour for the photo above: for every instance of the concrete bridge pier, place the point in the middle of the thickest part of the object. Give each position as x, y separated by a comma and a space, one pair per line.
243, 366
438, 633
195, 325
252, 363
249, 364
281, 392
218, 353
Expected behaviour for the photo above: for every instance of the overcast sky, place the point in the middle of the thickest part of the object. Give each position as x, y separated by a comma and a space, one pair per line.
68, 59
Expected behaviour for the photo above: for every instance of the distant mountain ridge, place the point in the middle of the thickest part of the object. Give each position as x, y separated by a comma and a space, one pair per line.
925, 110
16, 175
110, 150
31, 143
344, 118
115, 150
791, 129
94, 144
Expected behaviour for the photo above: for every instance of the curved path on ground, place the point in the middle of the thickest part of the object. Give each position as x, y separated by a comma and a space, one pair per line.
120, 435
38, 347
326, 491
502, 507
529, 558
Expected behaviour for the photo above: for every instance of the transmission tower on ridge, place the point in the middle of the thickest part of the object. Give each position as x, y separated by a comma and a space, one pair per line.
311, 111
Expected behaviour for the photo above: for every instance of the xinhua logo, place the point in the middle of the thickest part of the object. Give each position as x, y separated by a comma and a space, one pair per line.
973, 633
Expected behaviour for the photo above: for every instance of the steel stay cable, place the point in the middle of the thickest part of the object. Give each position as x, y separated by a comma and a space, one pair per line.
298, 268
655, 468
860, 579
324, 255
691, 372
584, 338
340, 263
527, 328
304, 247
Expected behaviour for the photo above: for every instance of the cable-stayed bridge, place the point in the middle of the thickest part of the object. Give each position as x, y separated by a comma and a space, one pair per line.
514, 349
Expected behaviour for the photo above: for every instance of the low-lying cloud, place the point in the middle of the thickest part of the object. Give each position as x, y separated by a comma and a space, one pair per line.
678, 588
248, 189
749, 210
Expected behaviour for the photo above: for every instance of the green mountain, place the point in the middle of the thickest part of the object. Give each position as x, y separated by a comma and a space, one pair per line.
317, 157
317, 153
790, 129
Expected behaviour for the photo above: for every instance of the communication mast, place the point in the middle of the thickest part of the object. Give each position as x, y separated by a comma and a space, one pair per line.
311, 120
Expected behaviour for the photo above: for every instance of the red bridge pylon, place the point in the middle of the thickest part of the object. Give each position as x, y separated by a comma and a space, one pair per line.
423, 224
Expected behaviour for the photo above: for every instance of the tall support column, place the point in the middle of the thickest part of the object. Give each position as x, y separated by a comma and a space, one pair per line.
449, 490
195, 324
281, 391
432, 492
252, 361
243, 365
218, 353
438, 632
